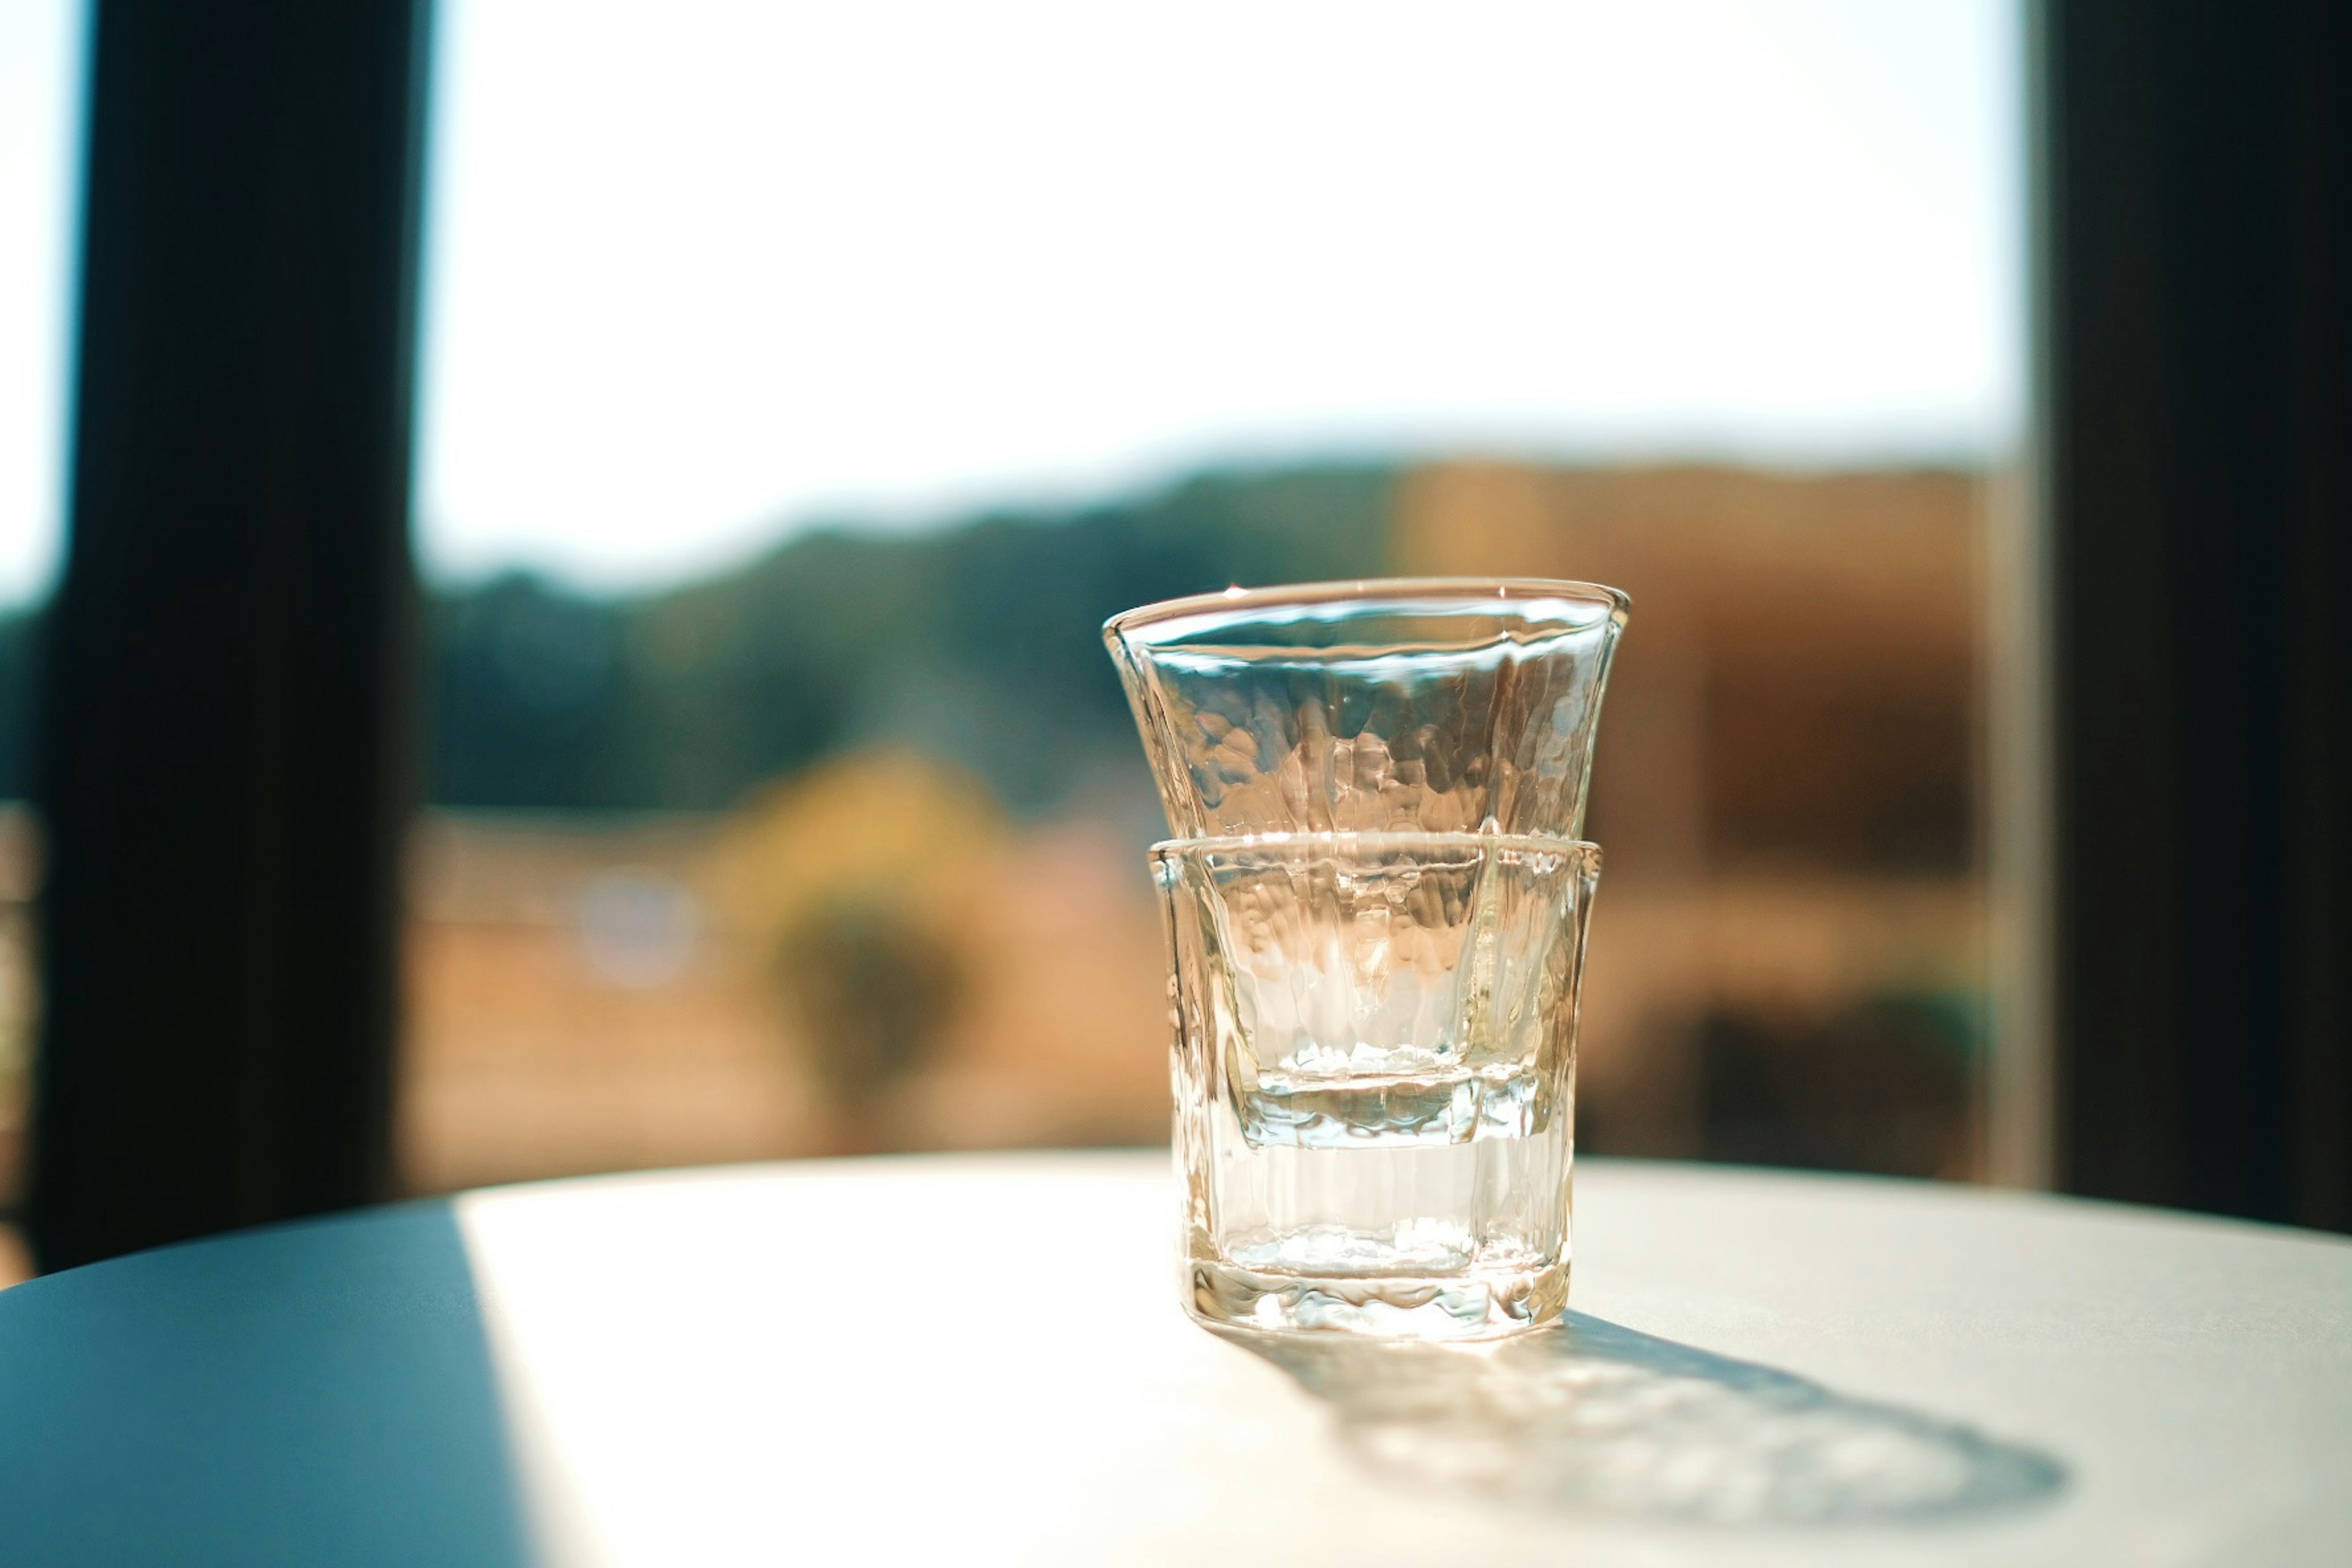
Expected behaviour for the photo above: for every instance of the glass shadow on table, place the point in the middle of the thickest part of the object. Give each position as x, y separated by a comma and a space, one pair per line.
1595, 1416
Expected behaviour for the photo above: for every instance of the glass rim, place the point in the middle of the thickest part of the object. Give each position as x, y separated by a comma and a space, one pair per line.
1465, 593
1278, 844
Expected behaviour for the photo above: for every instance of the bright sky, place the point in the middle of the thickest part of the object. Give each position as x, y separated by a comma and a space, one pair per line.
40, 99
702, 272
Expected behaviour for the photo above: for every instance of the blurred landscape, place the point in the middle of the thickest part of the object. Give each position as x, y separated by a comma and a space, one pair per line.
843, 850
837, 844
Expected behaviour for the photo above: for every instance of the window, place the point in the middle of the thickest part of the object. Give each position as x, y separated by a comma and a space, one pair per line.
803, 386
40, 108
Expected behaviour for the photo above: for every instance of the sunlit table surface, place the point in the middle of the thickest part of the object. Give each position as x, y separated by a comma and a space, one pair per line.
976, 1360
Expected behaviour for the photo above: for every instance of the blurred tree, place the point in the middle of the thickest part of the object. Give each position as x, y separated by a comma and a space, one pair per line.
857, 881
1880, 1086
526, 687
865, 978
979, 644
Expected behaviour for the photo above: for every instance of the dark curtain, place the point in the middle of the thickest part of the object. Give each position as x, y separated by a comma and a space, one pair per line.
2197, 274
225, 726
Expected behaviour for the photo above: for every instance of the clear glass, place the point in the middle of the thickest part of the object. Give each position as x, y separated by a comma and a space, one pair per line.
1374, 1072
1431, 705
1375, 908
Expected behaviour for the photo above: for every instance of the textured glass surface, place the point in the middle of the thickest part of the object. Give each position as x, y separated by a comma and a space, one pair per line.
1406, 706
1376, 908
1374, 1075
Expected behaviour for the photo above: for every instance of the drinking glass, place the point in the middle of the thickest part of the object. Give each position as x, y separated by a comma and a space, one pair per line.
1431, 705
1374, 1069
1376, 904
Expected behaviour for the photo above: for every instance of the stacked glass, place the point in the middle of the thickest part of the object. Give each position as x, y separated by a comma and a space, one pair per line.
1375, 901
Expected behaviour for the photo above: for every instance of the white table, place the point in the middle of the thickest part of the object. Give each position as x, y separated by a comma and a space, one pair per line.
981, 1360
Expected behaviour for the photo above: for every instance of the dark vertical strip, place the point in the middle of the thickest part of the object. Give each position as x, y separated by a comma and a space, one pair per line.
2318, 502
226, 723
2196, 271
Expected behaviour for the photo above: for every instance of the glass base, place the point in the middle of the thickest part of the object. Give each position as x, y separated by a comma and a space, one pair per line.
1480, 1304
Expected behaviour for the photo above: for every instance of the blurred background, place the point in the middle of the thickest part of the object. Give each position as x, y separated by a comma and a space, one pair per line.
802, 386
